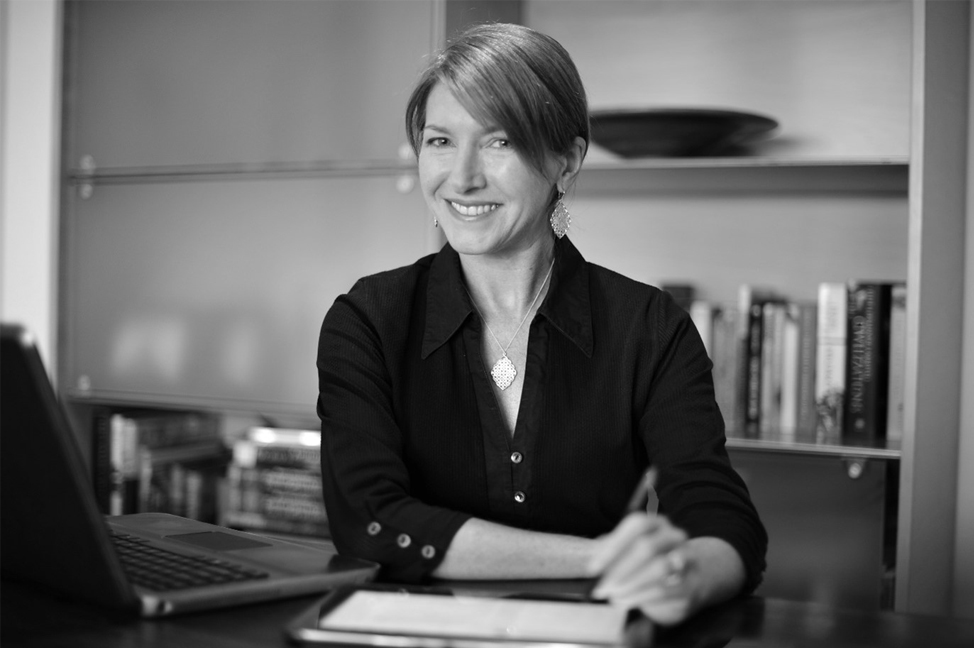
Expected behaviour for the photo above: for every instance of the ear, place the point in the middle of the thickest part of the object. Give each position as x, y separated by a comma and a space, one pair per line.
571, 164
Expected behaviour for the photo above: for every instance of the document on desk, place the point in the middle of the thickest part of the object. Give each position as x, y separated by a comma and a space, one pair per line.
373, 617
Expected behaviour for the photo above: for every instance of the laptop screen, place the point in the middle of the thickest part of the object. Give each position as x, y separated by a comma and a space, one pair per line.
51, 531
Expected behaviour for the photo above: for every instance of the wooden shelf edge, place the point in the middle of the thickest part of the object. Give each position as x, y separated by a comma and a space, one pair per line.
808, 445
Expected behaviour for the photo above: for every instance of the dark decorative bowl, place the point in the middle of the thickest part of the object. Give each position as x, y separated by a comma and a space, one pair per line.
676, 132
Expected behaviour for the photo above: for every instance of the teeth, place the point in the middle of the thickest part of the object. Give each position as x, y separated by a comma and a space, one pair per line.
472, 210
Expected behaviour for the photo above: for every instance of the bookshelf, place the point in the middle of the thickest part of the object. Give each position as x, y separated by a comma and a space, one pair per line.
906, 164
868, 171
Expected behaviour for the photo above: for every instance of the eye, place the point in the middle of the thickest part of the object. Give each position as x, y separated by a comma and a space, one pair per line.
436, 142
501, 143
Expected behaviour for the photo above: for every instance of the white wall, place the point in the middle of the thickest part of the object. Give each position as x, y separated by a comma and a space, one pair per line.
963, 594
30, 70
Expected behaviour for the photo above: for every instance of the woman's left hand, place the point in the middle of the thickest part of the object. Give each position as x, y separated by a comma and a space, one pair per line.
647, 563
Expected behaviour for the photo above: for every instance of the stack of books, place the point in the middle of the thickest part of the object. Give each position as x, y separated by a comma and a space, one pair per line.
833, 366
153, 460
274, 483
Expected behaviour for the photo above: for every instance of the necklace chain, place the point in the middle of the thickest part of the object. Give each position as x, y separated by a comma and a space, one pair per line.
503, 371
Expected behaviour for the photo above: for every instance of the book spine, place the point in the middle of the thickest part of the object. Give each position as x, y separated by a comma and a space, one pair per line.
830, 358
897, 362
101, 460
251, 454
289, 506
124, 473
790, 359
867, 372
702, 315
750, 301
725, 369
277, 480
807, 342
161, 429
771, 366
753, 345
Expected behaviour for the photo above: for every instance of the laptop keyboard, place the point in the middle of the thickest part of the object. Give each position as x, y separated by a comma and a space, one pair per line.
162, 570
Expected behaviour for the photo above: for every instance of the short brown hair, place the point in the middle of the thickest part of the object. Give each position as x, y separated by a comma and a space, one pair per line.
512, 77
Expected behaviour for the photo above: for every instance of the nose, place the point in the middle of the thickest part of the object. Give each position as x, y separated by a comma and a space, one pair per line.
467, 173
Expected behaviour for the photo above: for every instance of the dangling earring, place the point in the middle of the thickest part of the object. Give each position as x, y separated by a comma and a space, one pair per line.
436, 223
560, 219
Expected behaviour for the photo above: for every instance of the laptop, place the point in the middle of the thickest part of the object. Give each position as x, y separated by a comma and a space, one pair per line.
53, 535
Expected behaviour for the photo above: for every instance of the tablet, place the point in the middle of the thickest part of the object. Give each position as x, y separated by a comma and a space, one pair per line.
377, 615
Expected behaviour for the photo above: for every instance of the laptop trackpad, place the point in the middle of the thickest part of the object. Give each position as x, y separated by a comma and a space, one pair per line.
217, 541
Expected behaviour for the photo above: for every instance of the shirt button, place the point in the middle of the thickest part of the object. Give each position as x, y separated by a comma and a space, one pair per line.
428, 551
516, 457
403, 540
374, 528
519, 497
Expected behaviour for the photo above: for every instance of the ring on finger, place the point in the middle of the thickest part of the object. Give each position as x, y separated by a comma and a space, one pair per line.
677, 568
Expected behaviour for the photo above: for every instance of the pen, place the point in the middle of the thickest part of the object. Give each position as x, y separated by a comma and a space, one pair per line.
640, 496
637, 504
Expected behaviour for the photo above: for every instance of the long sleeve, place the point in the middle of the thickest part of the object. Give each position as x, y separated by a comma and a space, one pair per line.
684, 435
367, 485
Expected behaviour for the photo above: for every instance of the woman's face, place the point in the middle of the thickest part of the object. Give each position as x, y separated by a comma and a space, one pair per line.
487, 199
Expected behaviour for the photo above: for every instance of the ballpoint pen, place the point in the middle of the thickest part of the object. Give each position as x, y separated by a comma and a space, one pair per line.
640, 496
637, 504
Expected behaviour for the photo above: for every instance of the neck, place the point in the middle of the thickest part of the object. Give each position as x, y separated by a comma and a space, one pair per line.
506, 289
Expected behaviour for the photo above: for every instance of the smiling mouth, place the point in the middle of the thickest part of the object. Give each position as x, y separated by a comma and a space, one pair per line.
473, 210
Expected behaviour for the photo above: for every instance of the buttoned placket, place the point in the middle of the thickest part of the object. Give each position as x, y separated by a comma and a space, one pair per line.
508, 460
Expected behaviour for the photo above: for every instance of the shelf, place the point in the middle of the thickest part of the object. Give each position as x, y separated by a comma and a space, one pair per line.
242, 171
744, 175
739, 174
809, 443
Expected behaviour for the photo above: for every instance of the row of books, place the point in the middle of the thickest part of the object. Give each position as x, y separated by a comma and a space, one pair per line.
274, 483
151, 460
833, 366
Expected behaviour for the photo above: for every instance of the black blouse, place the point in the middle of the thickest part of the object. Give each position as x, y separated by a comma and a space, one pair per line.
414, 444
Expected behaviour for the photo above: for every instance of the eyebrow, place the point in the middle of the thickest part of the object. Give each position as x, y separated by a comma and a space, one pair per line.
485, 131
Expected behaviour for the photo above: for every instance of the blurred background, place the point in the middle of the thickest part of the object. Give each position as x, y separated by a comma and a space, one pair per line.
188, 185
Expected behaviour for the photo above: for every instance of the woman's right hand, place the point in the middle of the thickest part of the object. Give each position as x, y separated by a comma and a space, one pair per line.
646, 563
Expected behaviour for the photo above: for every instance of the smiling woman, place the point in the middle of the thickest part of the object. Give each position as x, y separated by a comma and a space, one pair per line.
487, 411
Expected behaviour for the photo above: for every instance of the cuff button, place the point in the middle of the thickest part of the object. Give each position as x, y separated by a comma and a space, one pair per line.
374, 528
403, 540
428, 551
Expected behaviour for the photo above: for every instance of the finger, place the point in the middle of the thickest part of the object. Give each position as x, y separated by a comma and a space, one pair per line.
644, 562
614, 544
664, 577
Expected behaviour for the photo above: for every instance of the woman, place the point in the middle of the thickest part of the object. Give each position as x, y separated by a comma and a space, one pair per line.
487, 411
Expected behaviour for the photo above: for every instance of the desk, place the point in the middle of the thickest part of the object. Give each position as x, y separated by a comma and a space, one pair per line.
29, 619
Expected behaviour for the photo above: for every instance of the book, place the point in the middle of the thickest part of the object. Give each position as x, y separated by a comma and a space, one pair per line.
790, 368
163, 485
806, 417
101, 460
278, 447
897, 362
751, 300
830, 358
275, 479
124, 472
121, 435
772, 364
274, 482
702, 313
725, 370
867, 369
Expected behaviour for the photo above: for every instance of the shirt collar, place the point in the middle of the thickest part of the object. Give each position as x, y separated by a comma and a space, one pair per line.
567, 305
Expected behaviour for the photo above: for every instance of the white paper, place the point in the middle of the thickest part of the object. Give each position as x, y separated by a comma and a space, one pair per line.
477, 617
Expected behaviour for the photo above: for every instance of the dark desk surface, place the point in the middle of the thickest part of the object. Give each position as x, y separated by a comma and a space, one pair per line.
31, 619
